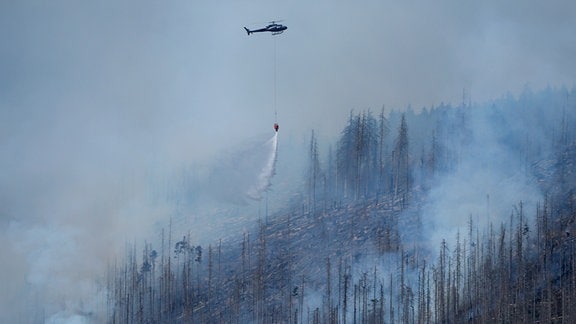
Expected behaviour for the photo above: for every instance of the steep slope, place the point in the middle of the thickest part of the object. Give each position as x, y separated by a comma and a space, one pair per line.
472, 222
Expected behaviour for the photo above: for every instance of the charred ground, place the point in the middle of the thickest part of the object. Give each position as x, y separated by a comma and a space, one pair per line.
359, 242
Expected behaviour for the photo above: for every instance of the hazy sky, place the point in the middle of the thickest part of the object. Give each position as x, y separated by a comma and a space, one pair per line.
165, 69
94, 94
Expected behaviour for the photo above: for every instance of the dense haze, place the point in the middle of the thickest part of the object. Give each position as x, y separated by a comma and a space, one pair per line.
466, 213
105, 107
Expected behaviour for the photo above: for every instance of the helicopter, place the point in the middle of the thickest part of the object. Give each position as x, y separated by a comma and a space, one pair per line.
273, 27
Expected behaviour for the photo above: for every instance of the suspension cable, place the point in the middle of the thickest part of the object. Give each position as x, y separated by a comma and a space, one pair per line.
275, 83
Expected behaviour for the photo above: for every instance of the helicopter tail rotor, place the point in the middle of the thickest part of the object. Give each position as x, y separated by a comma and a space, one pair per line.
248, 31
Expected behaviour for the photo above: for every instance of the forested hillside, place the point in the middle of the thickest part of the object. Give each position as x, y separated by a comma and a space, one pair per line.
448, 214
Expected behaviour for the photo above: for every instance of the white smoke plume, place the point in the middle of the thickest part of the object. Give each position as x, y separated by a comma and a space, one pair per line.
489, 182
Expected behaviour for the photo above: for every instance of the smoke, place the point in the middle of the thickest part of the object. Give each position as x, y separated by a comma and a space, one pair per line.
100, 103
60, 239
57, 260
489, 181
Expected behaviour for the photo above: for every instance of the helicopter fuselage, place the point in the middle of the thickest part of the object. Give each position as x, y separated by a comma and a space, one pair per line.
275, 29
